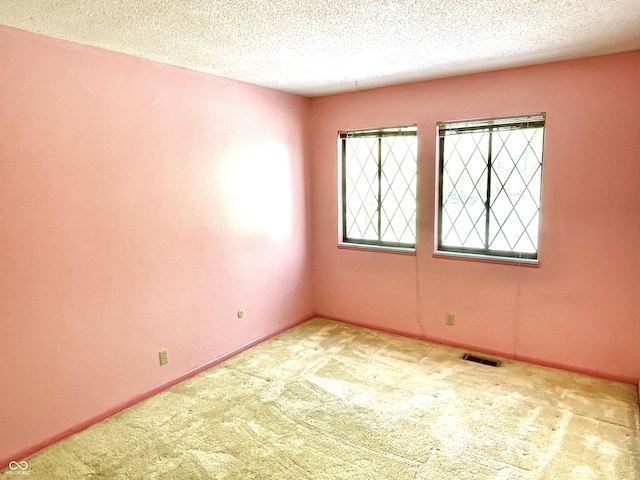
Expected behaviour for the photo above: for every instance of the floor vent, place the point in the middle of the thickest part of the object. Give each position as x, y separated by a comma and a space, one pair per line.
482, 360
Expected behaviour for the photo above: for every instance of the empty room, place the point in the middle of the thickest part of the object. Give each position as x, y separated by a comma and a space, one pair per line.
361, 239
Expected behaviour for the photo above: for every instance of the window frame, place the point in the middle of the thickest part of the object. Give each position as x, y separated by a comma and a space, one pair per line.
516, 122
379, 133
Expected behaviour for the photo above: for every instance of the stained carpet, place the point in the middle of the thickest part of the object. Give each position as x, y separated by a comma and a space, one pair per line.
326, 400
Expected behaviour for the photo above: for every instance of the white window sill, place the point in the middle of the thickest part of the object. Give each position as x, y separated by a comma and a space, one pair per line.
377, 248
472, 257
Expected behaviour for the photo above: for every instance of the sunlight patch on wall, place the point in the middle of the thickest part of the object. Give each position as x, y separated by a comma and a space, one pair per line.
260, 190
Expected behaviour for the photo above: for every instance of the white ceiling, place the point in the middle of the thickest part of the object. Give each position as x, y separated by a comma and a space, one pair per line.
319, 47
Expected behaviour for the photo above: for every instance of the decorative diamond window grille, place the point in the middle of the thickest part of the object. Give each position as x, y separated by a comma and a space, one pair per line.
490, 184
379, 169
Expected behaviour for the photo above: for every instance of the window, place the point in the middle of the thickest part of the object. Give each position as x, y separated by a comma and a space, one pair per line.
489, 189
379, 186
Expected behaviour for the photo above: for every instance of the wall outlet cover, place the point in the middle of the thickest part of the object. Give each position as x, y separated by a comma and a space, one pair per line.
164, 357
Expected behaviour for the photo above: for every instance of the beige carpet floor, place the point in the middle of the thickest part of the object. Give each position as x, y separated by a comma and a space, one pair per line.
326, 400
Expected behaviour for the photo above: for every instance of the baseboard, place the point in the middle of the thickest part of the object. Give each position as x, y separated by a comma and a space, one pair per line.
479, 349
364, 325
19, 455
585, 371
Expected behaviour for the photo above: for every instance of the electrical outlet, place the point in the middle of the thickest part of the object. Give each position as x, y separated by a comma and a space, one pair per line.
449, 318
164, 357
241, 313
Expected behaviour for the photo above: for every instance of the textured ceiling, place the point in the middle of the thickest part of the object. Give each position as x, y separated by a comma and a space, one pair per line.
317, 47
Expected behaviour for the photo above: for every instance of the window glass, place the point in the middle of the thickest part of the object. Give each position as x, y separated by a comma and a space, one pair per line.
490, 186
379, 169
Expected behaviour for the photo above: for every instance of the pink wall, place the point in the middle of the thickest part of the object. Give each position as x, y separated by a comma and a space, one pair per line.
581, 308
140, 206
